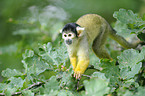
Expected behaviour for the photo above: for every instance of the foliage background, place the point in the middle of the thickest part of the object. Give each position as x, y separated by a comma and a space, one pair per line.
26, 24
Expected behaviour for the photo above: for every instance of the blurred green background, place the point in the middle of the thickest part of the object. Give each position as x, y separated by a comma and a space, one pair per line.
25, 23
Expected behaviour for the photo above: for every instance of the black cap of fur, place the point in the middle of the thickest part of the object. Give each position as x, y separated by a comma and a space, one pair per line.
71, 27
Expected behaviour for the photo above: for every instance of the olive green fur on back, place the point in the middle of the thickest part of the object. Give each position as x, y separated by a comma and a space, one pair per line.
92, 24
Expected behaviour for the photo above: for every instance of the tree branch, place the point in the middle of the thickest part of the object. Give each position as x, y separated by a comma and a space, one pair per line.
32, 86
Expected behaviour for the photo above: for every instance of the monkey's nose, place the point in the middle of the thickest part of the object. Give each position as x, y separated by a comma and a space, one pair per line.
69, 41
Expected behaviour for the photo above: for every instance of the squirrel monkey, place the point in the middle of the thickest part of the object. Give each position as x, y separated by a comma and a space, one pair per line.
89, 30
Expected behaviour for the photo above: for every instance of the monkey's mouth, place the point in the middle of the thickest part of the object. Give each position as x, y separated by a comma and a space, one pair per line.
69, 41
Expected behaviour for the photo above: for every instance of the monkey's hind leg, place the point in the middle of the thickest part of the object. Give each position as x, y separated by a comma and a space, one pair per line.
98, 46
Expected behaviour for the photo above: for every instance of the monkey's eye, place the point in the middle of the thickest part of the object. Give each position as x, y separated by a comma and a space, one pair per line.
69, 35
65, 35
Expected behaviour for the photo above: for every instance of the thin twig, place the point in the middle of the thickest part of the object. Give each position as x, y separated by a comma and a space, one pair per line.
86, 75
32, 86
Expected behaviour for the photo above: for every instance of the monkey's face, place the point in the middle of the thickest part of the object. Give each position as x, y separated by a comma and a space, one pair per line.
69, 37
71, 33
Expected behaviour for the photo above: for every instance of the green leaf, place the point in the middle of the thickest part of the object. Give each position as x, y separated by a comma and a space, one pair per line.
2, 86
27, 93
99, 75
28, 53
124, 92
141, 91
49, 54
127, 73
52, 93
26, 31
51, 85
129, 58
65, 93
16, 82
122, 29
109, 68
111, 72
130, 82
127, 93
128, 17
143, 52
96, 87
12, 48
10, 73
129, 63
35, 65
9, 91
66, 79
55, 57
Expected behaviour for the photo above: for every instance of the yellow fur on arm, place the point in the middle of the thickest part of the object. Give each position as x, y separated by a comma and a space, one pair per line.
73, 61
81, 66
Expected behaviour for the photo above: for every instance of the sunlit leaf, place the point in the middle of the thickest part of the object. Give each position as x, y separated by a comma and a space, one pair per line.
99, 75
65, 93
35, 65
2, 86
128, 17
10, 73
129, 58
96, 87
141, 91
51, 85
9, 91
56, 56
27, 93
129, 63
16, 82
28, 53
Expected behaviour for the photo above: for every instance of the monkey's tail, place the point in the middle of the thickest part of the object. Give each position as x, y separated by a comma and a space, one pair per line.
124, 43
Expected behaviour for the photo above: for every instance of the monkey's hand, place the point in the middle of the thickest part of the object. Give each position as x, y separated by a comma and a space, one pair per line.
77, 74
80, 68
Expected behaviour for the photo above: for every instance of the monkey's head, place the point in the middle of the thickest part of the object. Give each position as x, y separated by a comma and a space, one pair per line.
71, 33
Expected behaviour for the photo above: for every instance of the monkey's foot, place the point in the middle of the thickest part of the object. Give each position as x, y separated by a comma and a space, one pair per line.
77, 74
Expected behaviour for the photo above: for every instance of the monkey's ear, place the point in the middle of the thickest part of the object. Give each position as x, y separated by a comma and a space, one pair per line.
80, 31
60, 31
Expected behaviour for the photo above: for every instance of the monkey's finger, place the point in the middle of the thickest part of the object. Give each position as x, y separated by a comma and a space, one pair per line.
79, 75
74, 74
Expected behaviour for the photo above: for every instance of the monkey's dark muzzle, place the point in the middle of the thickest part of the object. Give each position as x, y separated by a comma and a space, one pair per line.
69, 41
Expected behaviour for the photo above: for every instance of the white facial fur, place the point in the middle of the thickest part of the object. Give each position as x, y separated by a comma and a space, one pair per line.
68, 35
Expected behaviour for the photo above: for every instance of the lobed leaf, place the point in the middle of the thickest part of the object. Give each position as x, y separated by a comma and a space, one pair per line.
99, 75
51, 86
128, 17
35, 65
16, 82
28, 53
10, 73
129, 63
56, 56
122, 29
129, 58
65, 93
2, 86
28, 93
9, 91
143, 52
141, 91
96, 87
